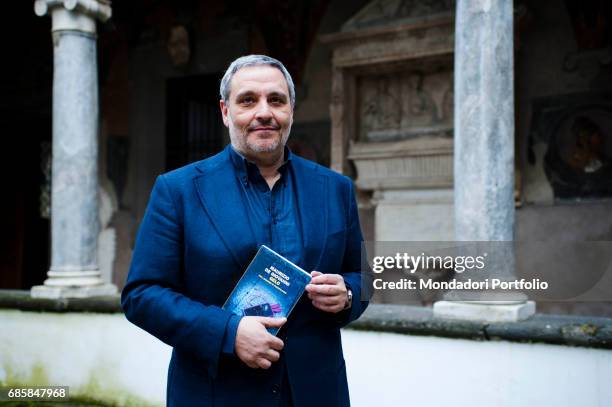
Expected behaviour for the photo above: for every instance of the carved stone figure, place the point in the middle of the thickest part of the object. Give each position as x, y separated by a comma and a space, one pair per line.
178, 46
404, 105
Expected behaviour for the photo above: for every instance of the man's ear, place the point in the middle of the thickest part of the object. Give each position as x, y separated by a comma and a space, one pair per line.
224, 112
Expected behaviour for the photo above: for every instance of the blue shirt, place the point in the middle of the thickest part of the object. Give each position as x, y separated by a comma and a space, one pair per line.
272, 216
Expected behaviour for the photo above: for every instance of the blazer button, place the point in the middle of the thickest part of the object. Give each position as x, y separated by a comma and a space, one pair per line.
275, 389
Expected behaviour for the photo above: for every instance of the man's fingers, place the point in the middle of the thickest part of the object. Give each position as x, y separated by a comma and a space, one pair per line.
272, 355
323, 289
326, 279
336, 299
315, 273
269, 322
263, 359
264, 363
276, 343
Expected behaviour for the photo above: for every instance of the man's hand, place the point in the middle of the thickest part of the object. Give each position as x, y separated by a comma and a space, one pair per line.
255, 346
327, 291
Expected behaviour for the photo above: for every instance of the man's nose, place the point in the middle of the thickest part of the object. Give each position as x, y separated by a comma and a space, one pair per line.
263, 112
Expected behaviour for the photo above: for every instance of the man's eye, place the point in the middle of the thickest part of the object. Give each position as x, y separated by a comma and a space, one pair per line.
247, 101
276, 101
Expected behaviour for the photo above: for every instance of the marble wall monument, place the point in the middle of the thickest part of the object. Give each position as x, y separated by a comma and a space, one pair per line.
392, 115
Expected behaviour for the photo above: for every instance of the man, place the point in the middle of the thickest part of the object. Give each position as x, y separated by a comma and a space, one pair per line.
203, 224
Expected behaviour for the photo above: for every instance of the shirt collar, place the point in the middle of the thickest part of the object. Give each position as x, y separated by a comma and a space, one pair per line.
248, 170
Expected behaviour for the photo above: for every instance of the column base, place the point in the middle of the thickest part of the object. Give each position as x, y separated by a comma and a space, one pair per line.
56, 292
484, 311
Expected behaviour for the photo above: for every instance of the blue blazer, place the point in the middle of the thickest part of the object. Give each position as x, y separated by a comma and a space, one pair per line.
194, 244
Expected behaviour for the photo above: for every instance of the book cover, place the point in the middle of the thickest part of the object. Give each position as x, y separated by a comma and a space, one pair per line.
270, 287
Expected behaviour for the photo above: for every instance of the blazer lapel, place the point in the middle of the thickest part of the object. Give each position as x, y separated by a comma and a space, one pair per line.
312, 201
222, 200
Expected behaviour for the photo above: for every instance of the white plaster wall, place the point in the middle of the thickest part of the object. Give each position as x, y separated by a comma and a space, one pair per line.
106, 357
400, 370
98, 355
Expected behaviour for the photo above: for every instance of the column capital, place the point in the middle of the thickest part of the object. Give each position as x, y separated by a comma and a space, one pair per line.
74, 15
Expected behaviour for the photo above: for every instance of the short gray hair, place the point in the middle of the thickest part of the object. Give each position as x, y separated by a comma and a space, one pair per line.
254, 60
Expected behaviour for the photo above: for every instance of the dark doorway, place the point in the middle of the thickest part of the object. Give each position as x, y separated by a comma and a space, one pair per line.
194, 128
24, 225
25, 126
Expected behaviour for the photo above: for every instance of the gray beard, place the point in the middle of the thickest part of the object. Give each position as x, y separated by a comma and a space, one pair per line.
262, 149
245, 146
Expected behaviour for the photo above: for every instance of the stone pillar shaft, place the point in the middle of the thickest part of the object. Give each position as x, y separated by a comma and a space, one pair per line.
484, 153
74, 190
484, 121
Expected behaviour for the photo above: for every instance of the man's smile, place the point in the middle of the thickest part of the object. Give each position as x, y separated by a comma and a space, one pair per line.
263, 129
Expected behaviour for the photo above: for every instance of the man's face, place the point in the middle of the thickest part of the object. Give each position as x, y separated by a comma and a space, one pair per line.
258, 113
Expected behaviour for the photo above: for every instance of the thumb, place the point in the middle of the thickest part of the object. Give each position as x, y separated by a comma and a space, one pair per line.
270, 322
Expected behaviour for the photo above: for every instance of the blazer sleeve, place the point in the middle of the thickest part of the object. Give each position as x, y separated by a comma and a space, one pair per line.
152, 298
354, 276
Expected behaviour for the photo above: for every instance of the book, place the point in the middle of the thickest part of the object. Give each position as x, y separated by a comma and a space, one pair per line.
270, 287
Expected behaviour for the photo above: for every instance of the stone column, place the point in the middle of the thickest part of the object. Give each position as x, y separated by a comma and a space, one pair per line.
74, 268
484, 150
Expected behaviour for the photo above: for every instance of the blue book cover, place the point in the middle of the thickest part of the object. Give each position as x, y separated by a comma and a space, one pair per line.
270, 287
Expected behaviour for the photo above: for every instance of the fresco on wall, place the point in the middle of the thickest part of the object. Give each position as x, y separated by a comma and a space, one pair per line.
578, 162
577, 132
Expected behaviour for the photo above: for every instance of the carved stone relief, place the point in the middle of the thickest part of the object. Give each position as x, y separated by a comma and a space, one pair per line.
405, 105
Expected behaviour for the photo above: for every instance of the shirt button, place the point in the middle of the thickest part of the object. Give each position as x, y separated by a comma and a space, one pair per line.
275, 389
